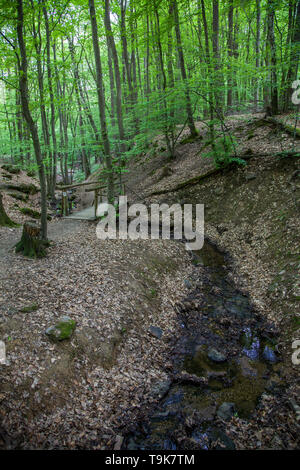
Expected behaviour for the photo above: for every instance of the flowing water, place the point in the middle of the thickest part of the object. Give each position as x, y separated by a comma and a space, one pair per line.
222, 340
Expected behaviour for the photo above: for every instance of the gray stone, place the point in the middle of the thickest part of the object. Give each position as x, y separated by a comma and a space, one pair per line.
161, 388
269, 355
187, 284
246, 369
226, 410
132, 445
250, 176
221, 228
63, 329
156, 331
216, 356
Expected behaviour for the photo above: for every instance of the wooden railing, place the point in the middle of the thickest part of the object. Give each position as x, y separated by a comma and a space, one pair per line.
99, 191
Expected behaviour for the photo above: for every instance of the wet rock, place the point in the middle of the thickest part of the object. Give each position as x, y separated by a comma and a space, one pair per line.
161, 388
132, 445
250, 176
274, 383
187, 284
201, 438
161, 414
118, 442
224, 442
208, 413
216, 356
246, 369
269, 355
226, 411
62, 330
156, 331
221, 228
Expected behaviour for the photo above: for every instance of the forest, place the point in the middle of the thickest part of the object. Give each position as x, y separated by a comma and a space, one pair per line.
143, 344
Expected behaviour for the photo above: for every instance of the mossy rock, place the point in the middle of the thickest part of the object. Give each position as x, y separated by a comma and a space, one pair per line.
11, 169
30, 173
32, 213
19, 197
190, 139
63, 329
30, 244
24, 188
29, 308
7, 176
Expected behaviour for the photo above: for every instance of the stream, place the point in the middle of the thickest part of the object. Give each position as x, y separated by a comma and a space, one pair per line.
224, 342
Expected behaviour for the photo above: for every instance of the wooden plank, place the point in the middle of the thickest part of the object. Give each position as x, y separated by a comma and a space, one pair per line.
77, 185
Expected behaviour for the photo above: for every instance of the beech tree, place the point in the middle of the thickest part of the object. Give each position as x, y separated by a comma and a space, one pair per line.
86, 85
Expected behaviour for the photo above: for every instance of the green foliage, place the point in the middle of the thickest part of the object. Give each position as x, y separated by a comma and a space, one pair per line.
11, 169
29, 308
222, 153
32, 213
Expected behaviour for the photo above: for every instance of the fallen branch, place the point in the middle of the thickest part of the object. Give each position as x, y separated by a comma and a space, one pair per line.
199, 178
292, 130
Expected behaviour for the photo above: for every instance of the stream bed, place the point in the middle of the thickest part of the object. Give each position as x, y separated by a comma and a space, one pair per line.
223, 362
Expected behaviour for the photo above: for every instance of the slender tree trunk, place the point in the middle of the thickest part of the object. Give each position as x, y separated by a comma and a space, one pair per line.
257, 51
209, 75
51, 95
271, 50
112, 48
218, 82
294, 58
189, 111
101, 102
230, 54
23, 84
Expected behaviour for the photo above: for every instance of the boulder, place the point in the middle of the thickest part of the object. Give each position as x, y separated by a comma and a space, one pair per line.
216, 356
226, 411
63, 329
156, 331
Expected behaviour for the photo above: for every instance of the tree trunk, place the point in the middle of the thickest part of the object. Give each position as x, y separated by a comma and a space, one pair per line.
112, 47
51, 95
230, 54
23, 84
5, 221
31, 244
101, 102
271, 51
189, 111
257, 50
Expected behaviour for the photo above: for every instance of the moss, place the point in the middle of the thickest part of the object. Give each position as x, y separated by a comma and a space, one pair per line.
295, 322
7, 176
62, 330
190, 139
20, 197
32, 213
11, 169
24, 188
66, 329
29, 308
30, 245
